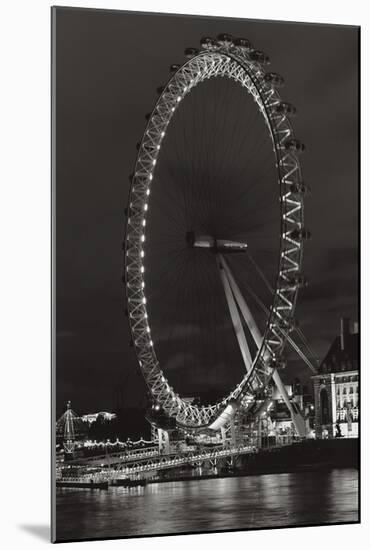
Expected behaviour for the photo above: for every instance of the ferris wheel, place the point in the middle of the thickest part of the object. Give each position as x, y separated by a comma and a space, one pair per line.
215, 234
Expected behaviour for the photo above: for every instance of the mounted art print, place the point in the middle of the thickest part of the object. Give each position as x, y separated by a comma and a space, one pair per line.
205, 190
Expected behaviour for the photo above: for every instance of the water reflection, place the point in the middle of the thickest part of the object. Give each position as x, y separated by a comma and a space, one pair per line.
228, 503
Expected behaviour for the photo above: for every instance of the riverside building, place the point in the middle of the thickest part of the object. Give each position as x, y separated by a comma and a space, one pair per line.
336, 390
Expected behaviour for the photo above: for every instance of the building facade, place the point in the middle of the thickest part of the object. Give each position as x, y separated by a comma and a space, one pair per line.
336, 387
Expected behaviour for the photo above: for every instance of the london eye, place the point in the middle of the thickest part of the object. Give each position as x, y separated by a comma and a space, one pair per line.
214, 235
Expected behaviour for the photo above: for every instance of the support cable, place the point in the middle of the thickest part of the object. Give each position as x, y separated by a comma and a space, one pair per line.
298, 330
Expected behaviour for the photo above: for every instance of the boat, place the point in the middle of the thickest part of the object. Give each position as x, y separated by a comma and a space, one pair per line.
82, 484
127, 482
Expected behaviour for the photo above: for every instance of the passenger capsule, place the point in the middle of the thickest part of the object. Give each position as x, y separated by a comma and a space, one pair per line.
259, 57
175, 67
285, 108
274, 79
242, 43
260, 396
299, 188
281, 363
300, 234
190, 52
130, 178
226, 39
147, 116
138, 145
157, 416
294, 145
298, 280
207, 42
288, 324
160, 90
277, 362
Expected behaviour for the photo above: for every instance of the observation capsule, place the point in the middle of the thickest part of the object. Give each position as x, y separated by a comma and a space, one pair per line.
298, 280
160, 420
160, 89
174, 67
289, 324
225, 39
294, 145
285, 108
207, 42
281, 363
242, 43
274, 79
130, 178
259, 57
299, 188
302, 234
138, 145
190, 52
277, 363
261, 394
147, 116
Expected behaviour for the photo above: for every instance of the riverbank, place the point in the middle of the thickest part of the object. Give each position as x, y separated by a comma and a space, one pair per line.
313, 453
309, 455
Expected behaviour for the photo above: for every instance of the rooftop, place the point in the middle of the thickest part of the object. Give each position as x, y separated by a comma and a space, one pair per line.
343, 352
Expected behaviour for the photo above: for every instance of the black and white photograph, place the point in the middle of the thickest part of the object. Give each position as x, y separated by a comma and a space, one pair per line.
205, 277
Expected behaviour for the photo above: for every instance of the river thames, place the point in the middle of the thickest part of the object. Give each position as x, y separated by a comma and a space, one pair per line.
263, 501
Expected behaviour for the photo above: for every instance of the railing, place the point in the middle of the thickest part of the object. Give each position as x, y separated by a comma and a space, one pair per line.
126, 457
170, 461
119, 456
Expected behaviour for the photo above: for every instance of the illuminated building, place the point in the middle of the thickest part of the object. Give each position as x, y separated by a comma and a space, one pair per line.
336, 387
92, 417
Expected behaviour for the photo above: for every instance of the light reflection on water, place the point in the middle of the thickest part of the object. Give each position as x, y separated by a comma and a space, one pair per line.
207, 505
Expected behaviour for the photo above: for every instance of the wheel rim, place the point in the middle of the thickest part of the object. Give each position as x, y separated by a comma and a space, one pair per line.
235, 63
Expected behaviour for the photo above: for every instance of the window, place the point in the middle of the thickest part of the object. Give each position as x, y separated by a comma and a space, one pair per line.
324, 406
351, 389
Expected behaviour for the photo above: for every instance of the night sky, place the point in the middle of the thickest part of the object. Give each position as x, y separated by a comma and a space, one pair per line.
109, 65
